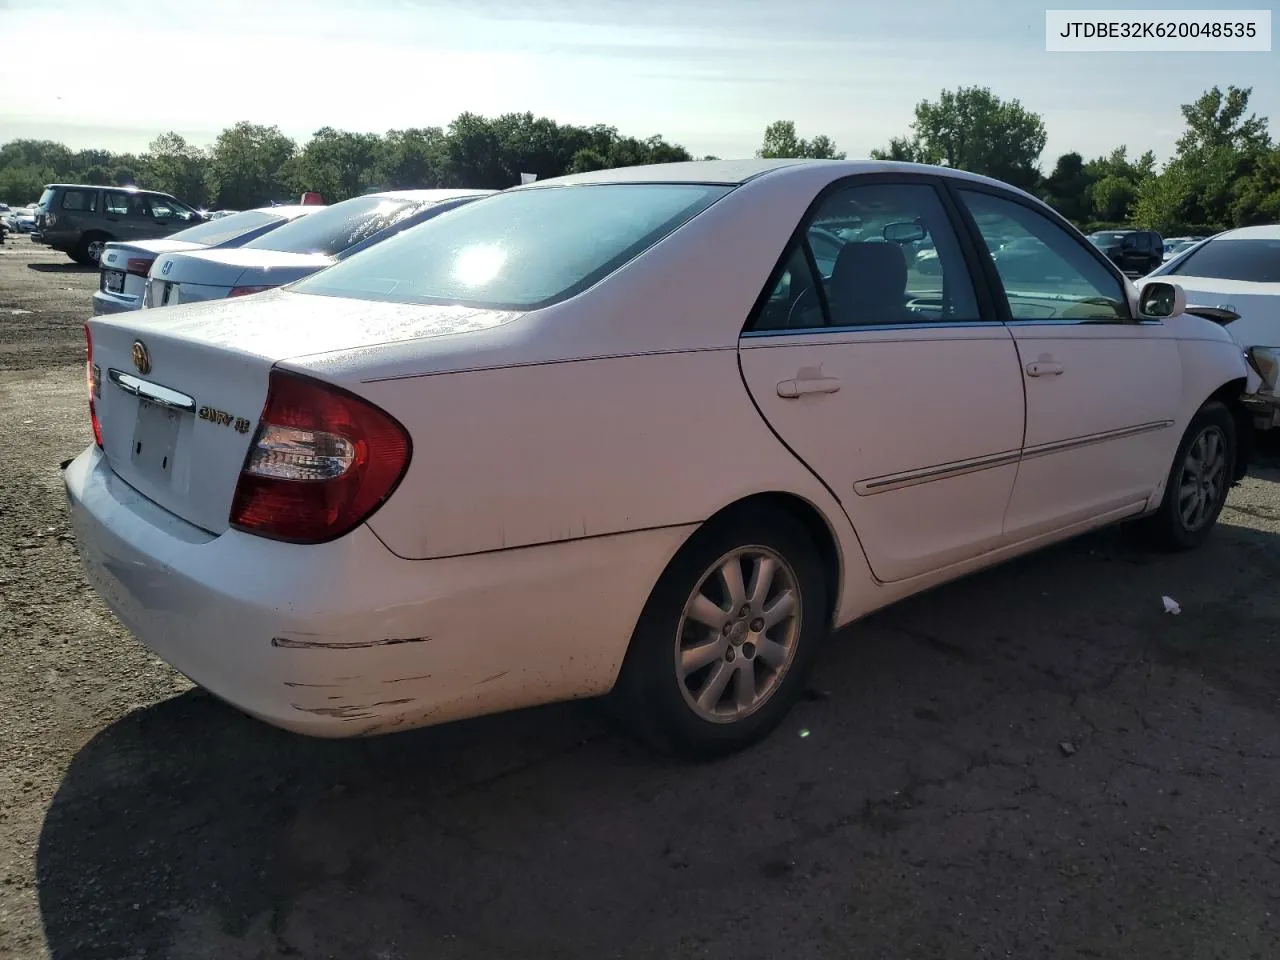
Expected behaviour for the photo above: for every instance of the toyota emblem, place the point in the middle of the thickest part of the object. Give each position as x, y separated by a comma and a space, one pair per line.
141, 357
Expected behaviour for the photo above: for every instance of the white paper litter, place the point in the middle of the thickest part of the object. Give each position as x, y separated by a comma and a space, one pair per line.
1171, 605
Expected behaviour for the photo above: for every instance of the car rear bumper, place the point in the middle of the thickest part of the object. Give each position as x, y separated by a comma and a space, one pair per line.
346, 639
105, 303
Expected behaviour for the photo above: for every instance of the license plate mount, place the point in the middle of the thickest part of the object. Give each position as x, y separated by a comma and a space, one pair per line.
113, 281
155, 440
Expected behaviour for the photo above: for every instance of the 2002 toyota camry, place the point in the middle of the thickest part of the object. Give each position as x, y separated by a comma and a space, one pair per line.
624, 431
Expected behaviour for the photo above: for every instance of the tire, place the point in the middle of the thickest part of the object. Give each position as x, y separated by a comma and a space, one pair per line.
1185, 519
89, 249
659, 703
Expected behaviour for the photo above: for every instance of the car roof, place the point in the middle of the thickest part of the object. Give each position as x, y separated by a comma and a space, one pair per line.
105, 186
431, 196
737, 172
289, 210
1270, 231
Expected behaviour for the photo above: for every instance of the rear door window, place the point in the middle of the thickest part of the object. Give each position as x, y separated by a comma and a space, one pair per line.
120, 203
80, 201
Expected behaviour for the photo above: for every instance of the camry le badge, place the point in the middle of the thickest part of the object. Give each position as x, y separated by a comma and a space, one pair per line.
141, 357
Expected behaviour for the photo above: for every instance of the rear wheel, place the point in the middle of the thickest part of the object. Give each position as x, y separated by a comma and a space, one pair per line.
722, 648
1198, 482
89, 250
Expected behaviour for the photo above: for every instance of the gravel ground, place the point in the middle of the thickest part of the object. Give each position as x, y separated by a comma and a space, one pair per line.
1034, 762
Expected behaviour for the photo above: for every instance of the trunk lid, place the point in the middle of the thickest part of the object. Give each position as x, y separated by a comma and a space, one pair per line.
176, 278
178, 427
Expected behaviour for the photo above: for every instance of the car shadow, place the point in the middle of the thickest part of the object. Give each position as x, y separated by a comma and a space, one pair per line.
61, 268
957, 745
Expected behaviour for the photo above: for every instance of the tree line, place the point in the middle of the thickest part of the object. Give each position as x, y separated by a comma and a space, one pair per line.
1225, 170
252, 164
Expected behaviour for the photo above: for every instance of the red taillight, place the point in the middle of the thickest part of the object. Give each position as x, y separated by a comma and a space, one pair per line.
139, 266
312, 199
245, 291
323, 460
93, 380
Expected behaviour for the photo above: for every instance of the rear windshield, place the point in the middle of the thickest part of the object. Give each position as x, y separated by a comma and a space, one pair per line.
45, 198
519, 250
333, 229
227, 228
1253, 261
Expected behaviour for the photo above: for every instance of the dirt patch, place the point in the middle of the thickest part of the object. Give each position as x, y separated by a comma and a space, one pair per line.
44, 302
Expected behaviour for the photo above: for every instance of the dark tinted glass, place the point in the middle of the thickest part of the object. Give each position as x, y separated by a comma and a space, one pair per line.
333, 229
517, 250
215, 232
1253, 261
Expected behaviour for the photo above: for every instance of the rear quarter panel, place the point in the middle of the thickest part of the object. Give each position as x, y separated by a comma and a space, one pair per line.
559, 451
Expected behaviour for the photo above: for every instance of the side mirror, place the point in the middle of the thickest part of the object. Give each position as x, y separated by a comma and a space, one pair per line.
903, 232
1161, 301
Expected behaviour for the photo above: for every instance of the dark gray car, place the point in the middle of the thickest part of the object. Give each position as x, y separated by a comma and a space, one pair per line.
79, 219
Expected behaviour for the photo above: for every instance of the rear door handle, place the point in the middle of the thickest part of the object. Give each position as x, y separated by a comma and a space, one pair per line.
790, 389
1044, 368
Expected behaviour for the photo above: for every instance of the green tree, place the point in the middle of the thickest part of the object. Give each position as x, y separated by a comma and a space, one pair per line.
1110, 199
1217, 119
902, 149
175, 166
251, 164
338, 164
22, 184
47, 155
586, 160
1223, 174
973, 129
1066, 188
473, 154
411, 158
782, 141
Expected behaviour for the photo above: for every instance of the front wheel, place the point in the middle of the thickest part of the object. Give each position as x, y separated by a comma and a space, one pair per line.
1198, 482
723, 646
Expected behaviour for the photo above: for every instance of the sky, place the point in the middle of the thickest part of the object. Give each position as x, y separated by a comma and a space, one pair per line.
708, 74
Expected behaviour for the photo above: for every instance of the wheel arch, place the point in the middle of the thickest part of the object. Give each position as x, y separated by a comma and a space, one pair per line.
1231, 395
809, 516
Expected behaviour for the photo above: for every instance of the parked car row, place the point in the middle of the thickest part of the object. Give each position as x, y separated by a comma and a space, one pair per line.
650, 432
1136, 252
18, 219
255, 250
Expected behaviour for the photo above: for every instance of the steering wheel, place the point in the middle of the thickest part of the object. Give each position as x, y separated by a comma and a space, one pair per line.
795, 304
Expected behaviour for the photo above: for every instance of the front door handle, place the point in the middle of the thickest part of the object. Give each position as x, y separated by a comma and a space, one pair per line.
1044, 368
790, 389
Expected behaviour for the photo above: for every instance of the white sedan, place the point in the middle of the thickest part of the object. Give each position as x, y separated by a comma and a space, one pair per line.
617, 432
1238, 272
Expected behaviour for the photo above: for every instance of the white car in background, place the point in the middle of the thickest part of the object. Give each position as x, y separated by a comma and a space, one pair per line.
124, 266
296, 249
612, 432
1237, 272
